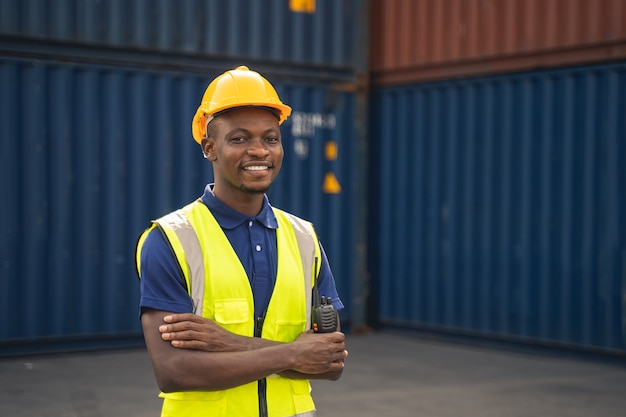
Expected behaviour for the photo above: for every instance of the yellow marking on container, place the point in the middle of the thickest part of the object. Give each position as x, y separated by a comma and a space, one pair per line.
331, 184
331, 150
305, 6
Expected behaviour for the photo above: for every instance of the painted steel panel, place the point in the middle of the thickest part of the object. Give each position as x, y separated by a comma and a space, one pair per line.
248, 29
90, 154
500, 204
439, 39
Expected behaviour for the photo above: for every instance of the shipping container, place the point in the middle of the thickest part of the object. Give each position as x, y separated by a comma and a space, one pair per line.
510, 187
95, 113
90, 154
421, 40
266, 31
500, 207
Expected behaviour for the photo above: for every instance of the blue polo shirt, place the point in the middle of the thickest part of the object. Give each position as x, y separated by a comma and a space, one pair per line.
254, 241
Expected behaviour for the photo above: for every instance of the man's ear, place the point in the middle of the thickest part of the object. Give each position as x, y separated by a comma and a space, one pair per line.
208, 148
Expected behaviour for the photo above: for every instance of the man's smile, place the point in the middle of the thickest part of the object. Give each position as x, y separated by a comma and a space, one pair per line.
256, 168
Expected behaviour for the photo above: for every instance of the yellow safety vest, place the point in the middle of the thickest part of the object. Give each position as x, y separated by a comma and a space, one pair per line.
205, 256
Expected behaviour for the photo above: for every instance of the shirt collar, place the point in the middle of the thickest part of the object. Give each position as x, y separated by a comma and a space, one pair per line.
229, 218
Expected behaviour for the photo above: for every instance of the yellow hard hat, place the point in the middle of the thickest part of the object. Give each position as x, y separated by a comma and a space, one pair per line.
240, 87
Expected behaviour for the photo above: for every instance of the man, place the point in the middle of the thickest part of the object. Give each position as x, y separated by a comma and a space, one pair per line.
226, 281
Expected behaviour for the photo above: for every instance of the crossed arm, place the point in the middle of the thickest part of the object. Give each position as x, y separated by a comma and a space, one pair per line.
190, 353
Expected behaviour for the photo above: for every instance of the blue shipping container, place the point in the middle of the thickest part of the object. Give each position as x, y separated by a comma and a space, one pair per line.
266, 31
500, 204
90, 153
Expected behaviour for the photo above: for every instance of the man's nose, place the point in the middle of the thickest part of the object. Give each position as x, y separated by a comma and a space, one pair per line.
257, 148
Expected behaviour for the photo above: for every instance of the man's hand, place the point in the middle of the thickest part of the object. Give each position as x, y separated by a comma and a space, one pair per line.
320, 353
189, 331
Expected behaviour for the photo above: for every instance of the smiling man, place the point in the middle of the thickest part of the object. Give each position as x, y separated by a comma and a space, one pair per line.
246, 151
225, 318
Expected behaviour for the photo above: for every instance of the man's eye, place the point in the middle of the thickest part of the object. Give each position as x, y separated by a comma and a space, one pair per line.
272, 139
238, 139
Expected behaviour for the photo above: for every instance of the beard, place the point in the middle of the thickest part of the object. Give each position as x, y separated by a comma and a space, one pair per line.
256, 190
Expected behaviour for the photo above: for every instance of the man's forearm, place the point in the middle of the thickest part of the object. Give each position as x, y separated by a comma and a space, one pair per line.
329, 376
179, 369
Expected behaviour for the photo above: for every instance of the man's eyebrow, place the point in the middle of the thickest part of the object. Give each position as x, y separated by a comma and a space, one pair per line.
247, 131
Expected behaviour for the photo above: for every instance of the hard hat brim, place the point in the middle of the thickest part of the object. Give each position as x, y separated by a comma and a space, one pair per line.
202, 117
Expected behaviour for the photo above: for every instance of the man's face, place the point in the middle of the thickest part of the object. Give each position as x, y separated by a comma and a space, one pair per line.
246, 151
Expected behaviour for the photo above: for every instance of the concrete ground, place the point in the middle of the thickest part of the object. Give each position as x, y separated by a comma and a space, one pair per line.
387, 374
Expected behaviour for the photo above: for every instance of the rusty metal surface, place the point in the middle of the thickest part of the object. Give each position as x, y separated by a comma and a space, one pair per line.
435, 39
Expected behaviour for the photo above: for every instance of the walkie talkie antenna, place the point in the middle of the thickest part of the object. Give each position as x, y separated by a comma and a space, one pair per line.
316, 295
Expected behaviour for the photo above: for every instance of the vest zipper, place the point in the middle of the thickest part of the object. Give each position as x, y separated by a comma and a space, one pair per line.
263, 398
262, 383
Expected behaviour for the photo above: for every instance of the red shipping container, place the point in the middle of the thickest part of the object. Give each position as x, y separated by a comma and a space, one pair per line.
418, 40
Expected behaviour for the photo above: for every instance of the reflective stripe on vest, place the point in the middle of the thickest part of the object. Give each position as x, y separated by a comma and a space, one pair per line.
185, 229
186, 247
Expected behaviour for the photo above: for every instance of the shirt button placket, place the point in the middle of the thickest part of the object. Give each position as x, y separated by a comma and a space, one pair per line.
257, 247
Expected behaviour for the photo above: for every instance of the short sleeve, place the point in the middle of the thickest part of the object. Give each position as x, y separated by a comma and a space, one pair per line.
162, 286
326, 282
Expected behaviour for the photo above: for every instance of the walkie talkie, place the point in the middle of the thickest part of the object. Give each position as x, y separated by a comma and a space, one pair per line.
324, 317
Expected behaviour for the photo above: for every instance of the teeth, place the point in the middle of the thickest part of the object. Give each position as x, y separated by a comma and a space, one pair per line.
256, 168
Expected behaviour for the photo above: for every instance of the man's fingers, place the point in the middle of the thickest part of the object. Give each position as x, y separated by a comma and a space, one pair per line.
341, 355
187, 344
179, 326
174, 318
182, 335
